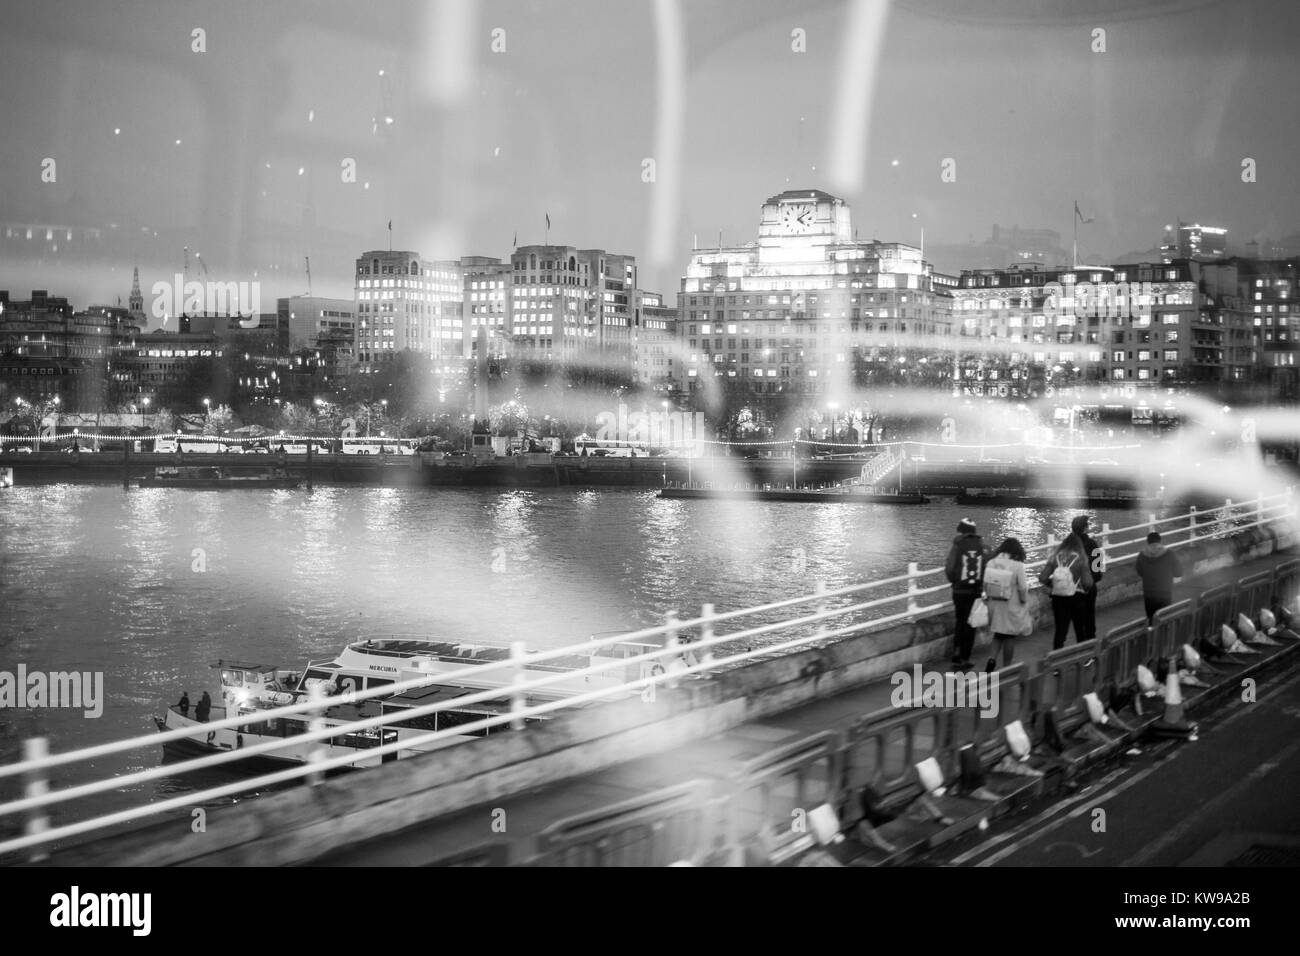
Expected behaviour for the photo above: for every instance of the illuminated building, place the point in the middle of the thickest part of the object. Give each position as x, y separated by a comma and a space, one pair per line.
406, 302
791, 314
654, 341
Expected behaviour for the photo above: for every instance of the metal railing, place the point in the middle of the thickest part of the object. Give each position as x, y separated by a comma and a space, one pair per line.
678, 649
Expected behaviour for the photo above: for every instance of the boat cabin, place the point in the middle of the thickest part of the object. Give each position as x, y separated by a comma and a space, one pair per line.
247, 686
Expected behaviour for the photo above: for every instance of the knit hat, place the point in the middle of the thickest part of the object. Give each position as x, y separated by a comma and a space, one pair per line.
965, 526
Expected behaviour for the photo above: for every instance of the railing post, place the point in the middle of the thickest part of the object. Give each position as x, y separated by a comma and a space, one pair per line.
706, 634
1226, 517
1191, 524
37, 785
1105, 544
518, 698
823, 605
317, 753
913, 572
1151, 522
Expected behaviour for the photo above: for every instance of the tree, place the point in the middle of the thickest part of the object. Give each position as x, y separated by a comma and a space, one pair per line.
510, 418
164, 422
295, 419
219, 420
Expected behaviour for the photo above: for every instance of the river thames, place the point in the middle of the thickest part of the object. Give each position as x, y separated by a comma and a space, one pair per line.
151, 586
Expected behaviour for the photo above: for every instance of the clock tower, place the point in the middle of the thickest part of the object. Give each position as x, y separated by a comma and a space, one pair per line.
797, 224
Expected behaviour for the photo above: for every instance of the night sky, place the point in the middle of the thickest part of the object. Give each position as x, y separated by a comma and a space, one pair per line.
482, 145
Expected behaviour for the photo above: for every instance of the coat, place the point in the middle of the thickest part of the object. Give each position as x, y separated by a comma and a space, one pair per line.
1009, 608
964, 567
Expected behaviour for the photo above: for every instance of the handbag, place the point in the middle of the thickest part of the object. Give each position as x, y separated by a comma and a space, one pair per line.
979, 614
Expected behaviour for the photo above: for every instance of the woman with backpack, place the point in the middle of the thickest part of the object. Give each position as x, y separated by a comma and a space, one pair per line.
1007, 590
1069, 579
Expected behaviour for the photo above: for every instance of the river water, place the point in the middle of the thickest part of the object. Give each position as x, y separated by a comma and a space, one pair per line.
151, 586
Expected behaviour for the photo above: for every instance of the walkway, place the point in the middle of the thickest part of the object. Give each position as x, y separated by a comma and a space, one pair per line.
509, 828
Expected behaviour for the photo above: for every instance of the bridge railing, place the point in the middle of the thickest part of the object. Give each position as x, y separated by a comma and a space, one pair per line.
687, 648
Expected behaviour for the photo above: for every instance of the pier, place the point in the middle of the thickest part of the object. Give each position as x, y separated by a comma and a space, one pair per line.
742, 722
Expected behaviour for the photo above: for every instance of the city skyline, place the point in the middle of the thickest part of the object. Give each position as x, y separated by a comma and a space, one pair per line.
1149, 132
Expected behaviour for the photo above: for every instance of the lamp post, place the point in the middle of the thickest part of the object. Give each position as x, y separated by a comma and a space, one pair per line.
832, 406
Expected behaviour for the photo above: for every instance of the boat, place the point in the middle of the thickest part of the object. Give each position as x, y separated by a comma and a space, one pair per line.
852, 495
248, 687
1018, 498
204, 476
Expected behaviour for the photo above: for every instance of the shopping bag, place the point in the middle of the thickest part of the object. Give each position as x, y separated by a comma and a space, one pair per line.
979, 614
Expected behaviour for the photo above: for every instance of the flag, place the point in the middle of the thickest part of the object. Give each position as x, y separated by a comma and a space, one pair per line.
1079, 214
515, 245
548, 220
390, 222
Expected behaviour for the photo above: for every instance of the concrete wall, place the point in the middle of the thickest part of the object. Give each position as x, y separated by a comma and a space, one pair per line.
298, 825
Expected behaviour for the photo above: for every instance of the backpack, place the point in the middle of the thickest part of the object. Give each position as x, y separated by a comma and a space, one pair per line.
1063, 583
998, 583
970, 571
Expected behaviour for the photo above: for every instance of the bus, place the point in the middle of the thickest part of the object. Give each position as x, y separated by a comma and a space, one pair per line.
609, 448
194, 444
379, 446
298, 446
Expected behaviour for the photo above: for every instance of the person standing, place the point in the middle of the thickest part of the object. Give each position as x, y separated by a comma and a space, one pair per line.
183, 705
964, 569
1096, 562
1007, 589
1157, 567
1067, 576
204, 707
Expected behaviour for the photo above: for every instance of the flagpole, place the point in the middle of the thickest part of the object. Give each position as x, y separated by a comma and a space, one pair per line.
1075, 221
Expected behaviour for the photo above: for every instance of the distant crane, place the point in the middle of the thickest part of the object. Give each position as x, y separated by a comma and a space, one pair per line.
308, 258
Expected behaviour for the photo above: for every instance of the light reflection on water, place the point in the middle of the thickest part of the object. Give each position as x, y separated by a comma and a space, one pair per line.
94, 578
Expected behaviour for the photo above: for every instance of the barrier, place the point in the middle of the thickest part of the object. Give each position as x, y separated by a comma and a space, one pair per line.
1120, 652
1213, 610
1176, 625
1286, 580
1015, 702
881, 749
1253, 594
654, 829
1067, 674
769, 792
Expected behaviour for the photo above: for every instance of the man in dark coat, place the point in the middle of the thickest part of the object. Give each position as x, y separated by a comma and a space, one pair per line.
184, 704
1157, 566
964, 569
1092, 551
204, 707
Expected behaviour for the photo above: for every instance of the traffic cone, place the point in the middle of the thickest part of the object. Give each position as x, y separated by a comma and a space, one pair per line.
1231, 643
1174, 723
1247, 631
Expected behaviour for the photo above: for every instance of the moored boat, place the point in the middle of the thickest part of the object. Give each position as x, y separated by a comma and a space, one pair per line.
213, 477
250, 688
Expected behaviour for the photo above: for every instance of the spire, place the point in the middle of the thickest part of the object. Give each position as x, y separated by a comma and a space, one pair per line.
136, 301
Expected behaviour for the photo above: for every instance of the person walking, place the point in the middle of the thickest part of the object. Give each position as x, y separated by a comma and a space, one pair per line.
1068, 577
1007, 589
203, 709
964, 569
1096, 562
1157, 567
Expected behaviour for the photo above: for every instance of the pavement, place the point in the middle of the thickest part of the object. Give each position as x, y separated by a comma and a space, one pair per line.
507, 829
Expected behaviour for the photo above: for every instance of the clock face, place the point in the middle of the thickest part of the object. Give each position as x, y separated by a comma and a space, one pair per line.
797, 217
